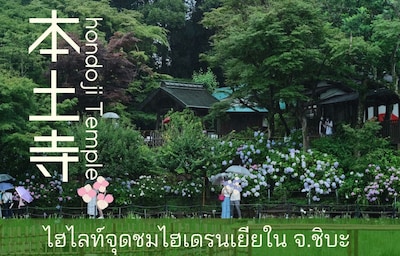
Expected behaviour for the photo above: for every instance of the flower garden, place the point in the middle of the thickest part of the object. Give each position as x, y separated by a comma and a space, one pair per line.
281, 171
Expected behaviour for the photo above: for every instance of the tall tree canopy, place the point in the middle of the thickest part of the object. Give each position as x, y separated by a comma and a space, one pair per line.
272, 51
269, 52
128, 55
16, 103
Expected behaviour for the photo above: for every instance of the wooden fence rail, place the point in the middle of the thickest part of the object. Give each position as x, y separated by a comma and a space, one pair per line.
259, 211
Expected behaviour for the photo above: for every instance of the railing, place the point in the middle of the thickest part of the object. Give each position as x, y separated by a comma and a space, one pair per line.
390, 129
152, 138
252, 211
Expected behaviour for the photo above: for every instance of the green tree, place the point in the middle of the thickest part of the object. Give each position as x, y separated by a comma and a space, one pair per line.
374, 23
185, 146
268, 52
368, 50
120, 149
358, 147
207, 78
386, 35
16, 34
166, 13
16, 133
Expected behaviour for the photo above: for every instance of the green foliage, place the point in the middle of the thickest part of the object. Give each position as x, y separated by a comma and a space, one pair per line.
179, 165
185, 145
268, 52
167, 13
359, 24
272, 49
207, 78
387, 37
17, 34
365, 139
16, 104
372, 40
358, 147
120, 148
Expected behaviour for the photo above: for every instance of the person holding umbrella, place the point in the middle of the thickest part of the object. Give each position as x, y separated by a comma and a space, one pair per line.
24, 195
226, 204
235, 198
7, 199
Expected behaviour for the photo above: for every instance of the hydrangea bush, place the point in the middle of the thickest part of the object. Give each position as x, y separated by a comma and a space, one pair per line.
279, 170
153, 190
278, 166
49, 192
374, 185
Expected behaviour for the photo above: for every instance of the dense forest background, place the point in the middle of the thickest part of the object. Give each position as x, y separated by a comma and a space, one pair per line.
267, 51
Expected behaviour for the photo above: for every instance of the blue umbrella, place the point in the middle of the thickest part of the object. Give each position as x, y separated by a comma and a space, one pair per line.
5, 186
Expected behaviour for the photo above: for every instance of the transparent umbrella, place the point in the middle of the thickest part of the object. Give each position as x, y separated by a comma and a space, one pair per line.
238, 170
218, 178
110, 115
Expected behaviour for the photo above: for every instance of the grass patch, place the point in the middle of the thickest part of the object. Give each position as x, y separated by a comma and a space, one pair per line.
199, 237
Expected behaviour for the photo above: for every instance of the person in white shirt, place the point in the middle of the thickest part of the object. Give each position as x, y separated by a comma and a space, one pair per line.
7, 199
225, 205
328, 127
235, 199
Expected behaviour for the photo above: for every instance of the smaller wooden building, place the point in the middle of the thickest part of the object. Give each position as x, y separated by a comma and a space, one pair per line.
383, 104
177, 96
334, 101
239, 117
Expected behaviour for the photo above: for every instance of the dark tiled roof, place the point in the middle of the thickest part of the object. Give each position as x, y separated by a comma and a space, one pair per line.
188, 94
381, 96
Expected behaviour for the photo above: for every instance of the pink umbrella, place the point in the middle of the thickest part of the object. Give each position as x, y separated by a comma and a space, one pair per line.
24, 194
